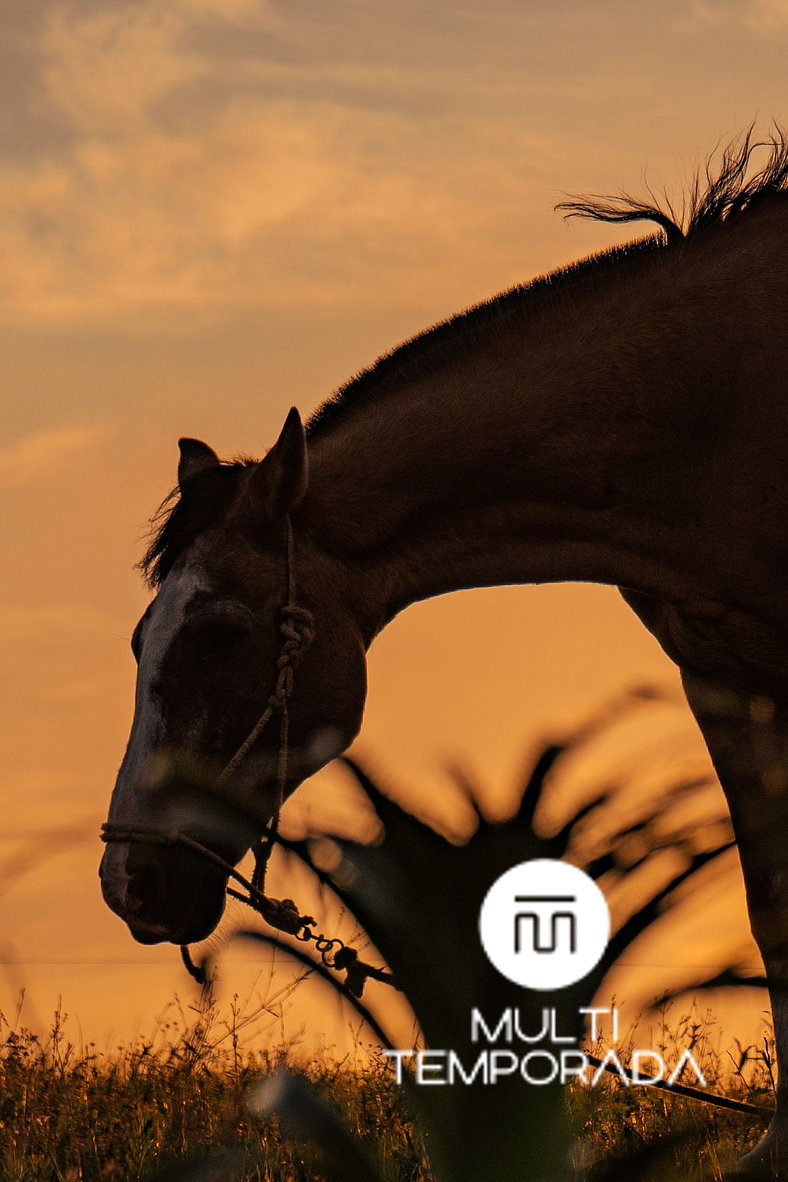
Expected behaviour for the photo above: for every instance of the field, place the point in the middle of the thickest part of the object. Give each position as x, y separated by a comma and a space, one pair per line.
153, 1109
203, 1099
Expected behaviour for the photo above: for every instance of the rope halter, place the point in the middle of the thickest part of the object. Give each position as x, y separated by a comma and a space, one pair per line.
297, 629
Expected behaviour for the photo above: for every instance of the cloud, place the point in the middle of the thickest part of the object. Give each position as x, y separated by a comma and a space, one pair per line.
197, 174
40, 455
761, 15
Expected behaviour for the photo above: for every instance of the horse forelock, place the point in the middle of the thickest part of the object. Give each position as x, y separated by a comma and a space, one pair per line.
184, 515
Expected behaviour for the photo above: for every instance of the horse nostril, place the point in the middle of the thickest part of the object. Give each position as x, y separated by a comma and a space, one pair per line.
146, 890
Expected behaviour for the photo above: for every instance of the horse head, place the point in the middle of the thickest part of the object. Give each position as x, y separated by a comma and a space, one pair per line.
232, 550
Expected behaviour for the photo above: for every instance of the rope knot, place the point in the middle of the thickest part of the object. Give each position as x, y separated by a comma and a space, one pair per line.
298, 629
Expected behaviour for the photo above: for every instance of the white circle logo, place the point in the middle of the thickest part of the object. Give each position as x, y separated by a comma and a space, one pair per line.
544, 924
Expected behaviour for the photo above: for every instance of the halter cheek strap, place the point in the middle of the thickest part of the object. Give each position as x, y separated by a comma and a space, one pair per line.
297, 628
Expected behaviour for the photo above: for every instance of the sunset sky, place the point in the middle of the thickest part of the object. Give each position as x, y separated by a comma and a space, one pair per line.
211, 210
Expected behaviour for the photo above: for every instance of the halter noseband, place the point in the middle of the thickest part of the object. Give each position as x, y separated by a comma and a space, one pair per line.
298, 631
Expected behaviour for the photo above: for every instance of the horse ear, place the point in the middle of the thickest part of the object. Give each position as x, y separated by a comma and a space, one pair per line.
279, 482
196, 456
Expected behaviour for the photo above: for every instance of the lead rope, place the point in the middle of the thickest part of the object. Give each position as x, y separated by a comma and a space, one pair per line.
284, 916
281, 914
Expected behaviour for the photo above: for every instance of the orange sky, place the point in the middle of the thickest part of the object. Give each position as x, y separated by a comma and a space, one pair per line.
212, 209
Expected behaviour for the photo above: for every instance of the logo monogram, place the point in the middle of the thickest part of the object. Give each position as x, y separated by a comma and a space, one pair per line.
544, 924
537, 920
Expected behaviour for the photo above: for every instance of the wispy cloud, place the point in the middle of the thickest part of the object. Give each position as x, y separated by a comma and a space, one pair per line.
761, 15
218, 154
39, 455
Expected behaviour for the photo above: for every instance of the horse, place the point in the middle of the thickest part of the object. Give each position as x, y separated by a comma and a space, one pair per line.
623, 421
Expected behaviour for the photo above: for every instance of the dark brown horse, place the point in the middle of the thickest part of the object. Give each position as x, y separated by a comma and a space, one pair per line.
623, 421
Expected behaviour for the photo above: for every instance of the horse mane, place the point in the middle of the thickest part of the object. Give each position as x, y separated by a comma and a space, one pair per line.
184, 515
716, 197
441, 342
727, 193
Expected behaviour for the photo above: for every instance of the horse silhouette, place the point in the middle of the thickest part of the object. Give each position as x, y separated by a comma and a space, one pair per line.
622, 421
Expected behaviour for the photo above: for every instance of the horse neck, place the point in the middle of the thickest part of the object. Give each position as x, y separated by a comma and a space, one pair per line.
538, 452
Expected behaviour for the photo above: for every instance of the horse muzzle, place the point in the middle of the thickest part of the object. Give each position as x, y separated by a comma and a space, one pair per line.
163, 892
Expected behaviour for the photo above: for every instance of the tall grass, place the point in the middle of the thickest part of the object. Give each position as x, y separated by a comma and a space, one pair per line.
618, 1123
71, 1114
77, 1114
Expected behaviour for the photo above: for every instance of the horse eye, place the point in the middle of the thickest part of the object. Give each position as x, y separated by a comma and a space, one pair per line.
220, 637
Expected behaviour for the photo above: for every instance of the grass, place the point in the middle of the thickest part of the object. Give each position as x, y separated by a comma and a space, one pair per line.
614, 1122
70, 1114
